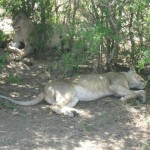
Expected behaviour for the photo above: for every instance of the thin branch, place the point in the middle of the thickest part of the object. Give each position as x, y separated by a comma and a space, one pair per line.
56, 9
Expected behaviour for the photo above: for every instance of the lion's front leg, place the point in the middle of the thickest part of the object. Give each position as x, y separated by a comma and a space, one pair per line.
141, 95
27, 50
13, 47
127, 94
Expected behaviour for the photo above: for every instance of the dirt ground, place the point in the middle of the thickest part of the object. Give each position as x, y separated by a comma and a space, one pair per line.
104, 124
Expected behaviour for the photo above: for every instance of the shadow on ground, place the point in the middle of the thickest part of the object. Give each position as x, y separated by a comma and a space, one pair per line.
104, 124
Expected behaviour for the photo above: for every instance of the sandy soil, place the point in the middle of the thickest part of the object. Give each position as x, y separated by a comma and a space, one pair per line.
104, 124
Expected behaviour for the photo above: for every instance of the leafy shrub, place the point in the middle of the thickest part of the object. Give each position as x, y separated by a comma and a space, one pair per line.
3, 39
144, 60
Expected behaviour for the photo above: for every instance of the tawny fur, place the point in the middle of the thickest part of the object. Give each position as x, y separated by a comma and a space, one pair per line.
64, 94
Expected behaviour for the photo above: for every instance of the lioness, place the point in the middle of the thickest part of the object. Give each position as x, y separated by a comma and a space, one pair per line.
64, 94
23, 26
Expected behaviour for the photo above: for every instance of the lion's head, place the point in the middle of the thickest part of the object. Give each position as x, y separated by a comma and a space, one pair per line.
19, 21
135, 80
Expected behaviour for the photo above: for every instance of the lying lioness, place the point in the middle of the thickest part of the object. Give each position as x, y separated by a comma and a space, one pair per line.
64, 94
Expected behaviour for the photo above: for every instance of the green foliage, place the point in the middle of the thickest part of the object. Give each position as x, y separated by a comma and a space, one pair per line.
73, 59
39, 37
89, 37
10, 5
120, 28
3, 60
3, 37
14, 78
85, 46
144, 60
14, 6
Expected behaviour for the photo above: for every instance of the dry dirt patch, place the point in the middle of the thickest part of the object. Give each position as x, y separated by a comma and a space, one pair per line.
105, 124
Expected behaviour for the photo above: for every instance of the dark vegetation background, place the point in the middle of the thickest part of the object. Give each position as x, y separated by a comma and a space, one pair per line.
95, 32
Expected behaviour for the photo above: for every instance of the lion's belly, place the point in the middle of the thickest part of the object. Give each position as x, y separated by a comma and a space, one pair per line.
85, 94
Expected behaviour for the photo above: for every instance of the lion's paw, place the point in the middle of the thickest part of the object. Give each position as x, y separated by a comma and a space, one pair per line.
71, 112
142, 95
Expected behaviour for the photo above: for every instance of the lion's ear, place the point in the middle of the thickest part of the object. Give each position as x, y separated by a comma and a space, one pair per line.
132, 68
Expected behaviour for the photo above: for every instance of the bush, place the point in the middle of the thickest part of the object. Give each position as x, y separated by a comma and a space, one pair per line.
145, 60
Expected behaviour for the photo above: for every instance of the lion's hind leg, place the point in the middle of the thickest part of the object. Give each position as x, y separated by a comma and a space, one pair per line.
67, 111
64, 107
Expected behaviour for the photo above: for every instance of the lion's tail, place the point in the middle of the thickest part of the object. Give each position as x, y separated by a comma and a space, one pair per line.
35, 101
